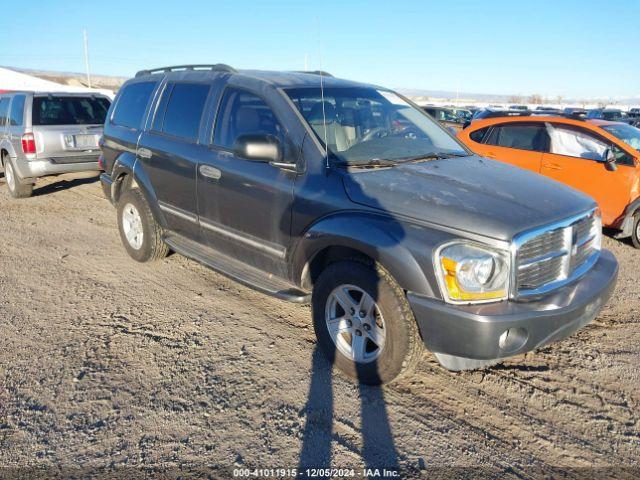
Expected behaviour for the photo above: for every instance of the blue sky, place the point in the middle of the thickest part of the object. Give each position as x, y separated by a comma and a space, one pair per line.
572, 48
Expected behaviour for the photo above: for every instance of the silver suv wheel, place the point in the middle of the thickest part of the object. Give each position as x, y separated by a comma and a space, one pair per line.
10, 176
355, 324
132, 226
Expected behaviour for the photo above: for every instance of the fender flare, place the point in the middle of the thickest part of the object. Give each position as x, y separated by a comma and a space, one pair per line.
626, 226
377, 236
127, 165
8, 146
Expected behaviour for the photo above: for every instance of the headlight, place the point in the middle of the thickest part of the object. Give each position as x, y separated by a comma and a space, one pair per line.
473, 273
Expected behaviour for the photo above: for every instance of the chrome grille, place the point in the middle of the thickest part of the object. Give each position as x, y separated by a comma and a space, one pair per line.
546, 259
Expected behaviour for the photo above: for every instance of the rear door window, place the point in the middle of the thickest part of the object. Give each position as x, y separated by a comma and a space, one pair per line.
16, 116
244, 113
57, 110
132, 103
532, 137
184, 109
4, 110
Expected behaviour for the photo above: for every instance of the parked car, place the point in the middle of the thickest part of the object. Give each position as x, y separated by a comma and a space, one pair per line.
576, 112
521, 108
598, 157
446, 116
347, 195
611, 114
48, 134
634, 113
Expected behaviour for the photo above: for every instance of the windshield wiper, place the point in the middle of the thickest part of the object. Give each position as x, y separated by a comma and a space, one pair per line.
431, 156
374, 163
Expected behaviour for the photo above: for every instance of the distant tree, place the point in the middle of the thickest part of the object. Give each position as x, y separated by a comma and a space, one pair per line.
536, 99
514, 99
559, 99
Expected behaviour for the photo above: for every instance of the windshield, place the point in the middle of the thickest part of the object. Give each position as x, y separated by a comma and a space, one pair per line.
56, 110
628, 134
365, 125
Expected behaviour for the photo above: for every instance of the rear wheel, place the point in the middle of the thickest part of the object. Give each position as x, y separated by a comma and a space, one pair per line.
140, 233
17, 188
364, 323
635, 235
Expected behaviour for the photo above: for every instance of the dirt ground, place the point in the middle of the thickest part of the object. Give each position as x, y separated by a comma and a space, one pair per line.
109, 364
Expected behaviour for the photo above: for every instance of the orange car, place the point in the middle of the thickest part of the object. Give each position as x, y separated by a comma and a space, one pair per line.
598, 157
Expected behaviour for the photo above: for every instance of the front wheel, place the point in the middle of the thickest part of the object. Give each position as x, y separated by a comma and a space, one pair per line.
140, 233
635, 235
364, 323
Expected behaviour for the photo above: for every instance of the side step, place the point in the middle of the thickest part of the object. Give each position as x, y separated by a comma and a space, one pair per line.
237, 270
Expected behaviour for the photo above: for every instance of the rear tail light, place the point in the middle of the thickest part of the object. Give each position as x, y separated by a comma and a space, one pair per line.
28, 143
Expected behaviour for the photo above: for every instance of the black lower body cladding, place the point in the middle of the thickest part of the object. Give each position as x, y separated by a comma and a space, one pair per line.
472, 336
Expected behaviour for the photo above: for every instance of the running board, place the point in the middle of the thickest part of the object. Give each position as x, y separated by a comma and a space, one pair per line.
237, 270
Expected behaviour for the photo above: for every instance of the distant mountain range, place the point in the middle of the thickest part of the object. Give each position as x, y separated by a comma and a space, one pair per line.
502, 99
113, 83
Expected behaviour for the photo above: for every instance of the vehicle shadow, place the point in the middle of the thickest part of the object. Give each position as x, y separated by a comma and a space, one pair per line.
378, 449
64, 184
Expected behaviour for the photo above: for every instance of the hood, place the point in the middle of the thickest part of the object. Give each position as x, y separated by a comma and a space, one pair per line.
471, 194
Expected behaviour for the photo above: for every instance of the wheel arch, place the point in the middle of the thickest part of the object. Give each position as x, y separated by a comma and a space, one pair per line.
364, 237
128, 174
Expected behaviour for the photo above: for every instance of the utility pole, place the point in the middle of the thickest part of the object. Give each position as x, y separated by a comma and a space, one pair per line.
86, 57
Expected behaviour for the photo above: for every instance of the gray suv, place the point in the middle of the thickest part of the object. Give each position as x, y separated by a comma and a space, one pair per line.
47, 134
347, 195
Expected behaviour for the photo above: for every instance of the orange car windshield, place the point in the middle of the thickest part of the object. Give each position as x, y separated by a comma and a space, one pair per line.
628, 134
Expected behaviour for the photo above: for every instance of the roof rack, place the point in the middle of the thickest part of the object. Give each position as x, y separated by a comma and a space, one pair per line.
315, 72
218, 67
531, 113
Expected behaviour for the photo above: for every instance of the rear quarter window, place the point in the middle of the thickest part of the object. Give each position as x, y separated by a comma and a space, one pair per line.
132, 103
16, 116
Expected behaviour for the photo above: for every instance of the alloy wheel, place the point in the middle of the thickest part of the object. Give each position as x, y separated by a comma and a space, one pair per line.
355, 323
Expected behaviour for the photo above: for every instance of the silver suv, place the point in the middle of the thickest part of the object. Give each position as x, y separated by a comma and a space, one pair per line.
48, 134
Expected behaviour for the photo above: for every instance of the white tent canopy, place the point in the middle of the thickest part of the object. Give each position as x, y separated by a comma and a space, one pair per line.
15, 81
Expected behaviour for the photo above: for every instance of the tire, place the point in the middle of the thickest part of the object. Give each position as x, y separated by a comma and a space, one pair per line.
635, 234
140, 233
17, 188
402, 346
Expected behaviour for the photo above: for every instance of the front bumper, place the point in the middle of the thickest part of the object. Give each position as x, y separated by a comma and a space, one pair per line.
469, 336
43, 167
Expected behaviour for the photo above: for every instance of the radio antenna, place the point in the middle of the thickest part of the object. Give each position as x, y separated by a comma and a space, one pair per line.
324, 114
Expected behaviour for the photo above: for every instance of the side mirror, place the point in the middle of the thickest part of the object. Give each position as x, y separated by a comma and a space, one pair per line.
261, 148
610, 160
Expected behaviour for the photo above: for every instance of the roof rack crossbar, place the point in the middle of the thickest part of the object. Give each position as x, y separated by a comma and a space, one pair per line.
532, 113
315, 72
217, 67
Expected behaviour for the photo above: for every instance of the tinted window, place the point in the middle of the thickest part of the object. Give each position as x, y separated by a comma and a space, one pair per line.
132, 104
243, 113
55, 110
184, 110
16, 117
4, 110
478, 135
522, 137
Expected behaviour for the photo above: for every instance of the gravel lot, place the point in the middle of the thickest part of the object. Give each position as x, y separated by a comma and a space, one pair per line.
106, 363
